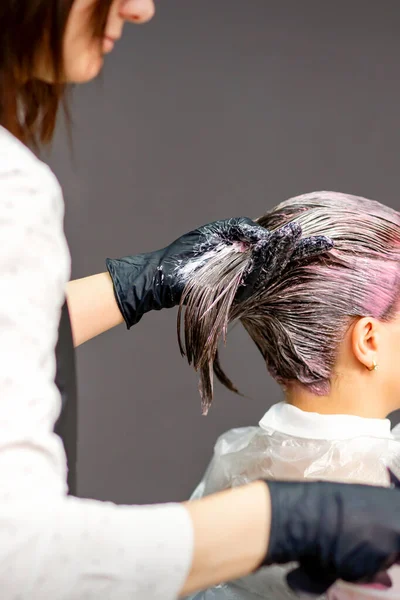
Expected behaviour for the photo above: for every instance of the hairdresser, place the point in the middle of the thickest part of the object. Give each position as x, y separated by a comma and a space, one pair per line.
53, 545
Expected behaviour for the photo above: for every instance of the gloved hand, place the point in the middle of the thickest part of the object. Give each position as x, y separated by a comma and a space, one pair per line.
334, 531
275, 250
155, 280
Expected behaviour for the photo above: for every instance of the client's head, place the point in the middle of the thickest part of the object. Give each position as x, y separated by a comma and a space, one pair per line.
322, 324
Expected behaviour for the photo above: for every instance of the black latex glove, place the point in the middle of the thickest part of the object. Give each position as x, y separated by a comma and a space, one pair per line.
334, 531
275, 250
155, 280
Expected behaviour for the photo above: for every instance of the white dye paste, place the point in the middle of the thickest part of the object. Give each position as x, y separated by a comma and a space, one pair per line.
219, 252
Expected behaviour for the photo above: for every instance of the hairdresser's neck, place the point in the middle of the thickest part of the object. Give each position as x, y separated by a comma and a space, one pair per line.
353, 399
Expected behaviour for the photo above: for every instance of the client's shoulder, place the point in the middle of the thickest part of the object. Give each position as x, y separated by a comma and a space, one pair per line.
235, 440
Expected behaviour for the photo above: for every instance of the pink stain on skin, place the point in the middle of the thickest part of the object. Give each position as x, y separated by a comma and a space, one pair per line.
357, 593
374, 586
369, 591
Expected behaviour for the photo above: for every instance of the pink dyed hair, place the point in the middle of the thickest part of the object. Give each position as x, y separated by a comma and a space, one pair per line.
299, 319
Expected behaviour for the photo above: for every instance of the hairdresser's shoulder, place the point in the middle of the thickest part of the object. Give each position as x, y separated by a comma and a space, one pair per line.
20, 166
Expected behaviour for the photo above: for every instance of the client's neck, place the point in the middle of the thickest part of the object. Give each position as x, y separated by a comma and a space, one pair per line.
349, 401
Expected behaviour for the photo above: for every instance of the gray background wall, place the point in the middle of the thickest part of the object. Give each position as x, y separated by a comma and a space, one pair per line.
215, 109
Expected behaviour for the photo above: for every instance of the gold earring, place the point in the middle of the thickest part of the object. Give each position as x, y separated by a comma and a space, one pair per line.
374, 366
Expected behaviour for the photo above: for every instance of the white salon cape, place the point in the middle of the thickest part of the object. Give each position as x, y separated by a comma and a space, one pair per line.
53, 546
294, 445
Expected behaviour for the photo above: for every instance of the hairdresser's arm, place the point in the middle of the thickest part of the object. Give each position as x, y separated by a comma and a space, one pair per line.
72, 548
138, 284
230, 535
92, 306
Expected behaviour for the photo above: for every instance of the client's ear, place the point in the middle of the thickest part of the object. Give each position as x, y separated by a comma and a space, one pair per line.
365, 340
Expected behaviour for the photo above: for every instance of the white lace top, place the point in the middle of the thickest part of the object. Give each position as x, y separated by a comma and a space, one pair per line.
52, 545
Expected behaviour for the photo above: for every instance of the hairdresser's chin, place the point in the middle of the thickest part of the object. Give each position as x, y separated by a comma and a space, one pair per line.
92, 31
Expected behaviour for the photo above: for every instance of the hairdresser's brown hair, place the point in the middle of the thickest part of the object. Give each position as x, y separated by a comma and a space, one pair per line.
298, 319
30, 31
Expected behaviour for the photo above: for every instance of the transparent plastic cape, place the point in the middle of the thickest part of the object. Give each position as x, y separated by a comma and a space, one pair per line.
249, 453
